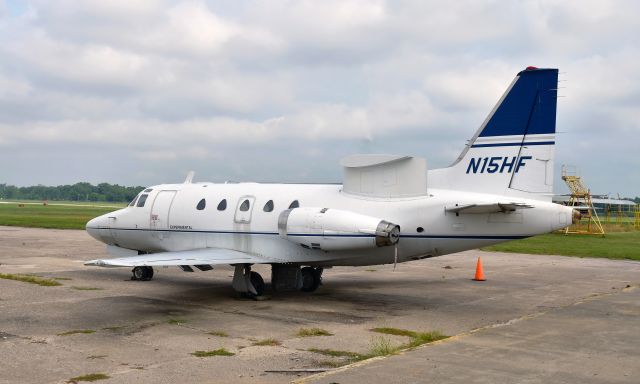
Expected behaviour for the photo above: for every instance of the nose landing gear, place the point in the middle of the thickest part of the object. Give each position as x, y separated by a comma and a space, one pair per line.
247, 282
142, 273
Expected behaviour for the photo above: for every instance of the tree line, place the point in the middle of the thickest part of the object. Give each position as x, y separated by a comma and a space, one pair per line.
87, 192
76, 192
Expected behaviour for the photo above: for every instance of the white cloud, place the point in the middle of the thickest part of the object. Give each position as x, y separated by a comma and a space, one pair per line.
165, 84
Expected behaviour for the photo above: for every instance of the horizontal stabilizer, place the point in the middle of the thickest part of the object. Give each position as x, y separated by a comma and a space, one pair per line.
206, 256
487, 208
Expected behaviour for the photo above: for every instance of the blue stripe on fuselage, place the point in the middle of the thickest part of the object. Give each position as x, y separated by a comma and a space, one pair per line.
412, 236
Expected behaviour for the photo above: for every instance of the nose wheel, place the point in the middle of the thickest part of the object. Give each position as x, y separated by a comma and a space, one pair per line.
142, 273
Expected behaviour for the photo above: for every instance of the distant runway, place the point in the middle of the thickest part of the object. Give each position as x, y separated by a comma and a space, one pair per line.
62, 204
537, 319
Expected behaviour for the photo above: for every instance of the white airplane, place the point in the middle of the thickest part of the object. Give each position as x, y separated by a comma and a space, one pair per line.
389, 209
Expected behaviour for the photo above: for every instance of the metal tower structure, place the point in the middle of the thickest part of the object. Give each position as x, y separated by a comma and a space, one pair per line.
589, 222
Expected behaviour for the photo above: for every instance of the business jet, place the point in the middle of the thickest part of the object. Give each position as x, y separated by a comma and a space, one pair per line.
389, 208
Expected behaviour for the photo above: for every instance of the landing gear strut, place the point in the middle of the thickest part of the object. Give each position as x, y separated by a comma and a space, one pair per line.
142, 273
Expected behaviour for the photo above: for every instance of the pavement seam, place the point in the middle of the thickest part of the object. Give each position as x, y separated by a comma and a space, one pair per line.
587, 299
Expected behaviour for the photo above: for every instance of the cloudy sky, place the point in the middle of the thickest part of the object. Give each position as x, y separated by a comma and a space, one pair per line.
140, 92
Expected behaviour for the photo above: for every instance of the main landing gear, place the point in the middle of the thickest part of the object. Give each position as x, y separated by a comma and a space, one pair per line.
311, 279
293, 278
142, 273
250, 284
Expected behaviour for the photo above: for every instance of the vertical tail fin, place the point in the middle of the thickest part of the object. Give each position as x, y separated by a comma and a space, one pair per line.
512, 152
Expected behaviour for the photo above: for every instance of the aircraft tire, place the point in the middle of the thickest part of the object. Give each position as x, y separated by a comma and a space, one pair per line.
142, 273
258, 283
310, 279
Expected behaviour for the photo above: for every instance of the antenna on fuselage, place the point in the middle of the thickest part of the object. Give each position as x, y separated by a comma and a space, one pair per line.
189, 178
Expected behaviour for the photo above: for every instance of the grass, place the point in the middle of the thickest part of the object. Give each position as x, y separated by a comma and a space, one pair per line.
417, 338
113, 329
267, 342
332, 363
90, 377
30, 279
394, 331
380, 346
216, 352
50, 216
309, 332
176, 321
87, 288
77, 331
616, 245
334, 353
93, 357
218, 333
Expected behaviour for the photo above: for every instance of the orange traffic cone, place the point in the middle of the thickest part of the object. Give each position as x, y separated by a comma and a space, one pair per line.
479, 272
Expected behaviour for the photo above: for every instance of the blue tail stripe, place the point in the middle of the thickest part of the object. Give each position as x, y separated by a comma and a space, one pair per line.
529, 108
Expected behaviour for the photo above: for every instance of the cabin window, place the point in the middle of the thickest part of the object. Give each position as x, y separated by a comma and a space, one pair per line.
268, 207
142, 200
201, 205
222, 205
420, 230
294, 204
244, 207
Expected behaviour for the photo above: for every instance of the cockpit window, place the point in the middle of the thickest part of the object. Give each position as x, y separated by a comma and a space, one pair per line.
268, 207
148, 190
133, 202
201, 205
294, 204
222, 205
142, 200
244, 207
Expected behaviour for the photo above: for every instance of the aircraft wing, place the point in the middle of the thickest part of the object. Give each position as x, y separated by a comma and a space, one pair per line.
206, 256
487, 207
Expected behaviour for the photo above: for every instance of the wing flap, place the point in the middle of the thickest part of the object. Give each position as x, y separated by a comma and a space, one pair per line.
207, 256
487, 207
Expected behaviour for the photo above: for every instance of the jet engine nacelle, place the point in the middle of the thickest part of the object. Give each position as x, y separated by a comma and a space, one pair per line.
334, 229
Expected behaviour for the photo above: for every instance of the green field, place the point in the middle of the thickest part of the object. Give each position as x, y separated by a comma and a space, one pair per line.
67, 216
617, 245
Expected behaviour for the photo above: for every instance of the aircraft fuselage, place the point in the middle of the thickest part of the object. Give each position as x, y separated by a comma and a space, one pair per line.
171, 221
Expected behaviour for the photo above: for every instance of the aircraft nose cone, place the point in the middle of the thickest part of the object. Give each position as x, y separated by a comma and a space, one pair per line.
94, 226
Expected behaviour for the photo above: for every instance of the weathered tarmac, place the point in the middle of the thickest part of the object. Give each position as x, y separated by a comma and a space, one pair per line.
537, 319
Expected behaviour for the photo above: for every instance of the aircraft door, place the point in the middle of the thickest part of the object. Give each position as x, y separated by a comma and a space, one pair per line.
160, 212
244, 209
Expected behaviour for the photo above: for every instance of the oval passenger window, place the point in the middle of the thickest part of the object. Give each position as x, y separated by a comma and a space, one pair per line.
245, 206
294, 204
268, 207
222, 205
201, 205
